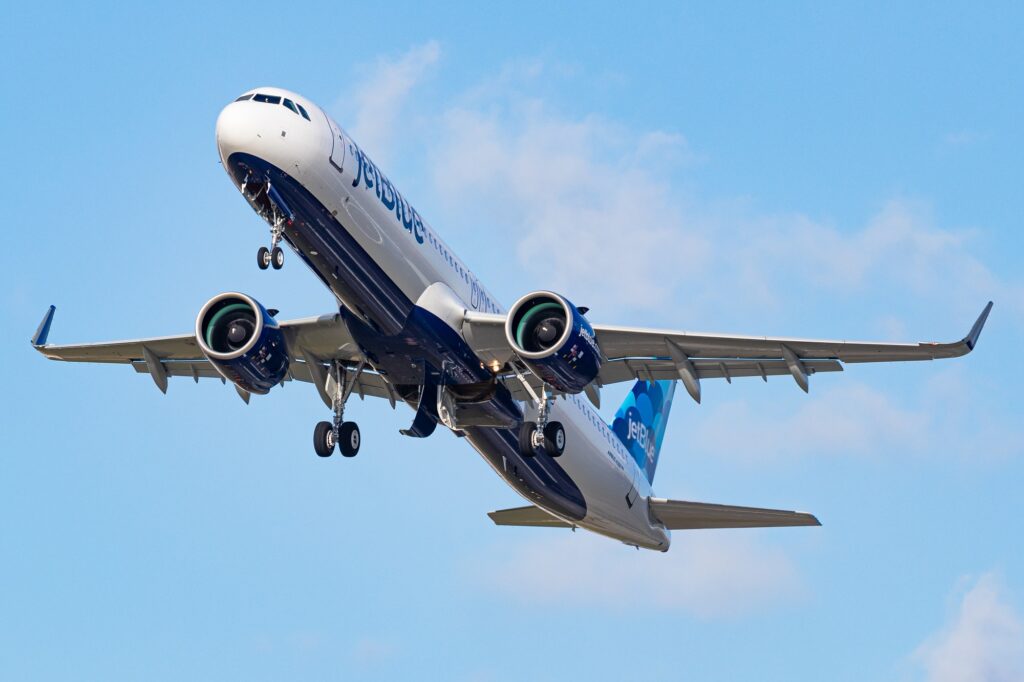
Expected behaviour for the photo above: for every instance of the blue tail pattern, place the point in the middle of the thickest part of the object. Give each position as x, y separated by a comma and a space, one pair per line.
641, 419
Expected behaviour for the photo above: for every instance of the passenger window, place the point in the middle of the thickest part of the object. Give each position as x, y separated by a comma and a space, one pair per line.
243, 98
288, 103
302, 111
269, 99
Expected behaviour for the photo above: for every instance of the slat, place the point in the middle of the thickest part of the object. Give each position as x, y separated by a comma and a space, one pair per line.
326, 337
618, 342
182, 347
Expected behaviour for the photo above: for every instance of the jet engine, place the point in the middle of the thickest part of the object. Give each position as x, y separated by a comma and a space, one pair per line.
242, 341
551, 336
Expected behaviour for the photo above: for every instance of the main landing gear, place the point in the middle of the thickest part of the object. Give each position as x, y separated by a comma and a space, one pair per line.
542, 433
345, 435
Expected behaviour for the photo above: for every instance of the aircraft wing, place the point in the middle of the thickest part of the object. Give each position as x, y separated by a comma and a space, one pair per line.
633, 353
679, 515
313, 342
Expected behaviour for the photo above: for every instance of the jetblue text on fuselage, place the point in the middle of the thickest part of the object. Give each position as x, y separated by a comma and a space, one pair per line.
389, 197
409, 218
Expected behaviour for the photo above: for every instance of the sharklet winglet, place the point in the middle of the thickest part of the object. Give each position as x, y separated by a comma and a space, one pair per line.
39, 339
972, 336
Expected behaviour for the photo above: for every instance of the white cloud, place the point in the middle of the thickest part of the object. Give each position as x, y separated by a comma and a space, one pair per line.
381, 95
596, 214
898, 250
600, 218
982, 642
709, 575
847, 418
593, 219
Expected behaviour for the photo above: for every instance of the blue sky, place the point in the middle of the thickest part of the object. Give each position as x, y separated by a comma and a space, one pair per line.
838, 171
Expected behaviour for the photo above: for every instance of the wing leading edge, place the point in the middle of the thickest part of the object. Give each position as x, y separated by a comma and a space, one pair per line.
312, 342
633, 353
622, 342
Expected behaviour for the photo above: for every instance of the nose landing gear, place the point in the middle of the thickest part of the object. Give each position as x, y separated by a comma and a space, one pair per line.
269, 205
270, 257
345, 435
274, 256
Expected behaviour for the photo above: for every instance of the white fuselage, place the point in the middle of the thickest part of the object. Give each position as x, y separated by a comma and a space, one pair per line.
320, 156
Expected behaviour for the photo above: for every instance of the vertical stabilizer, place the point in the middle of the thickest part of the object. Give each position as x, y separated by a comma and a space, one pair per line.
641, 419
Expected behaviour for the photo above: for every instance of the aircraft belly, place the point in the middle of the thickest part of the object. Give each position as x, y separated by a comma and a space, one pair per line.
374, 274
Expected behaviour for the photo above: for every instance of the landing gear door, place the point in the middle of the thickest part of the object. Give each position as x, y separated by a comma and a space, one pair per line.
337, 147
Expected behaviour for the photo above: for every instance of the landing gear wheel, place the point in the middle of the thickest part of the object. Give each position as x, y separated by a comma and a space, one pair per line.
277, 257
349, 439
263, 258
323, 439
526, 431
554, 439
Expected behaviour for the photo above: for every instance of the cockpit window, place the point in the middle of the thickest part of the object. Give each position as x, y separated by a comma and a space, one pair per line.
277, 99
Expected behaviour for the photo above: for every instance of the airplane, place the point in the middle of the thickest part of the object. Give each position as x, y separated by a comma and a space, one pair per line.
415, 325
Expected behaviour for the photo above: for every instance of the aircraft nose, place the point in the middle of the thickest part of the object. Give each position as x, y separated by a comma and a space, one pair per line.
274, 127
235, 130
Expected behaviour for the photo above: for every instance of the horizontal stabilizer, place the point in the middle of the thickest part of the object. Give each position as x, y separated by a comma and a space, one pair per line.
526, 516
679, 515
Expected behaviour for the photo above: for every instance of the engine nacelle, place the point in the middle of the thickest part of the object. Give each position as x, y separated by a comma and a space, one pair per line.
242, 340
555, 341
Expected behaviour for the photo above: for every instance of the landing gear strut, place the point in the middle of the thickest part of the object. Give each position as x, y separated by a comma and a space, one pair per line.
274, 256
543, 433
345, 435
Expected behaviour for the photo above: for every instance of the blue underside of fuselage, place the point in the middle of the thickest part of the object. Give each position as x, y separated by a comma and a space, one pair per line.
407, 343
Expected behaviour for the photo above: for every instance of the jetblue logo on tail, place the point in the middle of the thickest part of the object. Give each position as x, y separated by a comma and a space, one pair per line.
638, 432
640, 422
